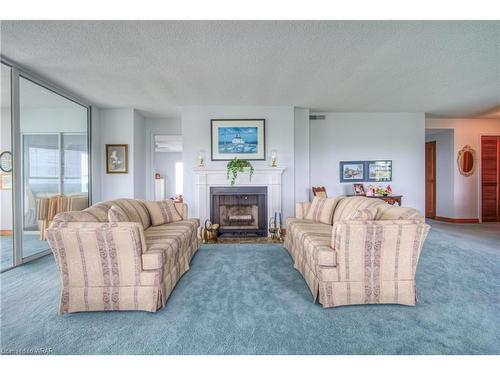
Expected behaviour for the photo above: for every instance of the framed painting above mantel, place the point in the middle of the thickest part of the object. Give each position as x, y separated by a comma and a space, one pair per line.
238, 138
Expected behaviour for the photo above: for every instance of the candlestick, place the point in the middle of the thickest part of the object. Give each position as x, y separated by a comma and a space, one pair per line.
274, 158
201, 158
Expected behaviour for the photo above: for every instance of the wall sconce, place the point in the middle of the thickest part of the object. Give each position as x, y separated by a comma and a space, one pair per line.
274, 158
201, 158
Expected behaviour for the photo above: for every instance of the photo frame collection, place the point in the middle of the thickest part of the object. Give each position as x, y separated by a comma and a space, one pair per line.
366, 171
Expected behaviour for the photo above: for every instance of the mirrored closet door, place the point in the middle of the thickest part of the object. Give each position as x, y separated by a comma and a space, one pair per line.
55, 160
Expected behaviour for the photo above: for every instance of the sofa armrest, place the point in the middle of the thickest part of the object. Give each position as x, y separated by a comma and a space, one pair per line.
98, 254
301, 209
371, 251
182, 209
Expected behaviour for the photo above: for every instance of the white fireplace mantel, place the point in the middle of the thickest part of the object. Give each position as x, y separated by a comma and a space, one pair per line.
270, 177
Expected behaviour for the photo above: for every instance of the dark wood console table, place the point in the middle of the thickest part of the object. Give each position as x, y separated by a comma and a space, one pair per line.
391, 199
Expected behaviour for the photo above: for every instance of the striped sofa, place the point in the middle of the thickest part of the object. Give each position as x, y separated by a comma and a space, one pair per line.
352, 262
124, 265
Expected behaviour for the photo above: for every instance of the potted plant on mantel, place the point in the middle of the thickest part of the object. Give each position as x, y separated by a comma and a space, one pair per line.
236, 166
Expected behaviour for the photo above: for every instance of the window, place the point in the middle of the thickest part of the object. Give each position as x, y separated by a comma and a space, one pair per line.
179, 175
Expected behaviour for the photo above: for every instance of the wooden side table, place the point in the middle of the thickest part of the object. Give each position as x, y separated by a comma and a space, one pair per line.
391, 199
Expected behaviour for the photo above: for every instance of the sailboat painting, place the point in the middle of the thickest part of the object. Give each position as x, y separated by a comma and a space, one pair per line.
238, 140
243, 139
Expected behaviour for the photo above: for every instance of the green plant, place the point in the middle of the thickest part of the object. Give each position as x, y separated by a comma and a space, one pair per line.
236, 166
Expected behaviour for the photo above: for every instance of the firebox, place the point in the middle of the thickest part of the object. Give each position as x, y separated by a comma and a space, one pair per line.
240, 211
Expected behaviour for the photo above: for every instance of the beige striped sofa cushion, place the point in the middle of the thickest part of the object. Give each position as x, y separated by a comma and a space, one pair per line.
301, 209
349, 205
321, 210
171, 239
117, 214
72, 216
135, 209
389, 212
163, 212
367, 213
99, 211
314, 240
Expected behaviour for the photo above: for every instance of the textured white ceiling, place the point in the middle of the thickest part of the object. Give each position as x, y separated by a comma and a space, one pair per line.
442, 68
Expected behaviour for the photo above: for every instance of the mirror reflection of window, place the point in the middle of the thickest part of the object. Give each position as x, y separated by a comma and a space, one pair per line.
55, 160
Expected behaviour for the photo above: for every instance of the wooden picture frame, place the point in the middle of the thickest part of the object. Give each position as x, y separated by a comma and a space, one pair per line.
319, 191
467, 161
244, 139
116, 158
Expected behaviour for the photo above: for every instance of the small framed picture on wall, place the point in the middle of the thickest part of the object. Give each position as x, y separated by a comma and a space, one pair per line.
379, 170
352, 171
116, 158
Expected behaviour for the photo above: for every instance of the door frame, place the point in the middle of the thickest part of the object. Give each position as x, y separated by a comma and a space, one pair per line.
479, 173
150, 187
435, 182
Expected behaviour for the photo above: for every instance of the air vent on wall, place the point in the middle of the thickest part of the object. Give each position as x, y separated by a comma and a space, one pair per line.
317, 117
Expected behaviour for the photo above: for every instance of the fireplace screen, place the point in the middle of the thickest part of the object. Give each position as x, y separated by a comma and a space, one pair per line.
239, 210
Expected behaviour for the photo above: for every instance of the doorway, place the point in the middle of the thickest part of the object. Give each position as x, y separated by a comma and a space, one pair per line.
167, 166
490, 178
430, 180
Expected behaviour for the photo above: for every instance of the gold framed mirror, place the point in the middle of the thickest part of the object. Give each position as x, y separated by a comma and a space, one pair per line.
467, 161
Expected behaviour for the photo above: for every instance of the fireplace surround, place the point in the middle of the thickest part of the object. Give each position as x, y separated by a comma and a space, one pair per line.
209, 176
240, 211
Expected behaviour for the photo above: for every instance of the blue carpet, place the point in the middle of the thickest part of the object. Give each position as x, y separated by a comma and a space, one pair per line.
247, 299
31, 246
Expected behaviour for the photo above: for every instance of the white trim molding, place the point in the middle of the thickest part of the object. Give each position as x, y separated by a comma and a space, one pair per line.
205, 178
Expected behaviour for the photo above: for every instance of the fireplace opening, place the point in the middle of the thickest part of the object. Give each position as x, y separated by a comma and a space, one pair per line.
240, 211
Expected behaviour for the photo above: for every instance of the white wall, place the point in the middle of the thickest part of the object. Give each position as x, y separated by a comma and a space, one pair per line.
466, 132
444, 171
116, 126
398, 137
154, 126
139, 156
164, 164
279, 136
126, 126
301, 154
96, 152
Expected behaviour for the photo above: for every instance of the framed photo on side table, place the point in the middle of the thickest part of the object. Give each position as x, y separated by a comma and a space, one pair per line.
243, 139
359, 189
116, 158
